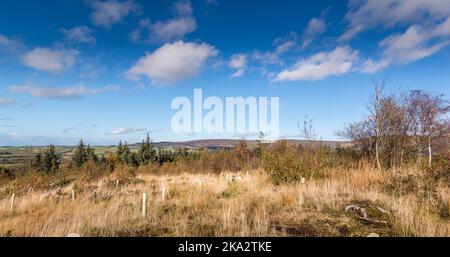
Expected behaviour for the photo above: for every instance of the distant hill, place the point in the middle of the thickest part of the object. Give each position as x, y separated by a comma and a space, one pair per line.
229, 143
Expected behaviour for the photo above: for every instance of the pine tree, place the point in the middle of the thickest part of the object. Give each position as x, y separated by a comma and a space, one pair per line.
37, 162
83, 154
79, 156
125, 156
133, 159
90, 154
147, 152
120, 150
47, 161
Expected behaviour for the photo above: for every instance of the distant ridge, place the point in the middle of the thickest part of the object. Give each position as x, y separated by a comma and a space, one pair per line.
228, 143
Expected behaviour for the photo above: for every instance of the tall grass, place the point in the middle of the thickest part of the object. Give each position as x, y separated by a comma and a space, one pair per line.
252, 206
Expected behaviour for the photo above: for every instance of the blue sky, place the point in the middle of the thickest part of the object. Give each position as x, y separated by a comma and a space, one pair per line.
108, 70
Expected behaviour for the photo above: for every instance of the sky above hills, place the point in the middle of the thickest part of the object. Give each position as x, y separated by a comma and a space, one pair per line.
108, 70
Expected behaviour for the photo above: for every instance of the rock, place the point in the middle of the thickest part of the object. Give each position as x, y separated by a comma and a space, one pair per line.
73, 235
236, 178
370, 213
373, 235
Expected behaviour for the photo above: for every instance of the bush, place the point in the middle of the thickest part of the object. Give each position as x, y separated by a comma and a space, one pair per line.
5, 173
440, 169
283, 164
123, 171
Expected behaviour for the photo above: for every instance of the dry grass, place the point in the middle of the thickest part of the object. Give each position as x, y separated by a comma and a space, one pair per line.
208, 205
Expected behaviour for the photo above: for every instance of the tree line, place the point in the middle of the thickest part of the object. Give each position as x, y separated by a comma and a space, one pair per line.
49, 161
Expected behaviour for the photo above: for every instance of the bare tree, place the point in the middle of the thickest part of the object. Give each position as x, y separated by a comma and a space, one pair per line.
307, 129
376, 118
361, 133
428, 118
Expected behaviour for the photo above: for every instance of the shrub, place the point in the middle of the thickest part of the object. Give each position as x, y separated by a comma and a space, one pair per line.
283, 164
5, 173
440, 169
123, 171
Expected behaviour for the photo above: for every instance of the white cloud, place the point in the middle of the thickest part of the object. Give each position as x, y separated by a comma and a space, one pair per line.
183, 8
122, 131
172, 30
48, 60
6, 101
285, 47
416, 43
59, 93
321, 65
265, 57
81, 34
238, 73
173, 62
293, 41
315, 28
10, 44
365, 14
286, 43
239, 62
107, 13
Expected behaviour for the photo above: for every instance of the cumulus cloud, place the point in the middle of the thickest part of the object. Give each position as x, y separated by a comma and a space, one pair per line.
170, 30
59, 93
172, 62
107, 13
81, 34
6, 101
123, 131
238, 62
321, 65
49, 60
365, 14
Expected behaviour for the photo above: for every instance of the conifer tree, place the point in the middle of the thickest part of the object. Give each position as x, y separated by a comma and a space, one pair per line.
147, 152
47, 161
83, 154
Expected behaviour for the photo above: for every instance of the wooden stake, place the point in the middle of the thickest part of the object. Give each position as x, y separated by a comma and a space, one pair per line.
73, 195
117, 183
144, 204
13, 200
163, 193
